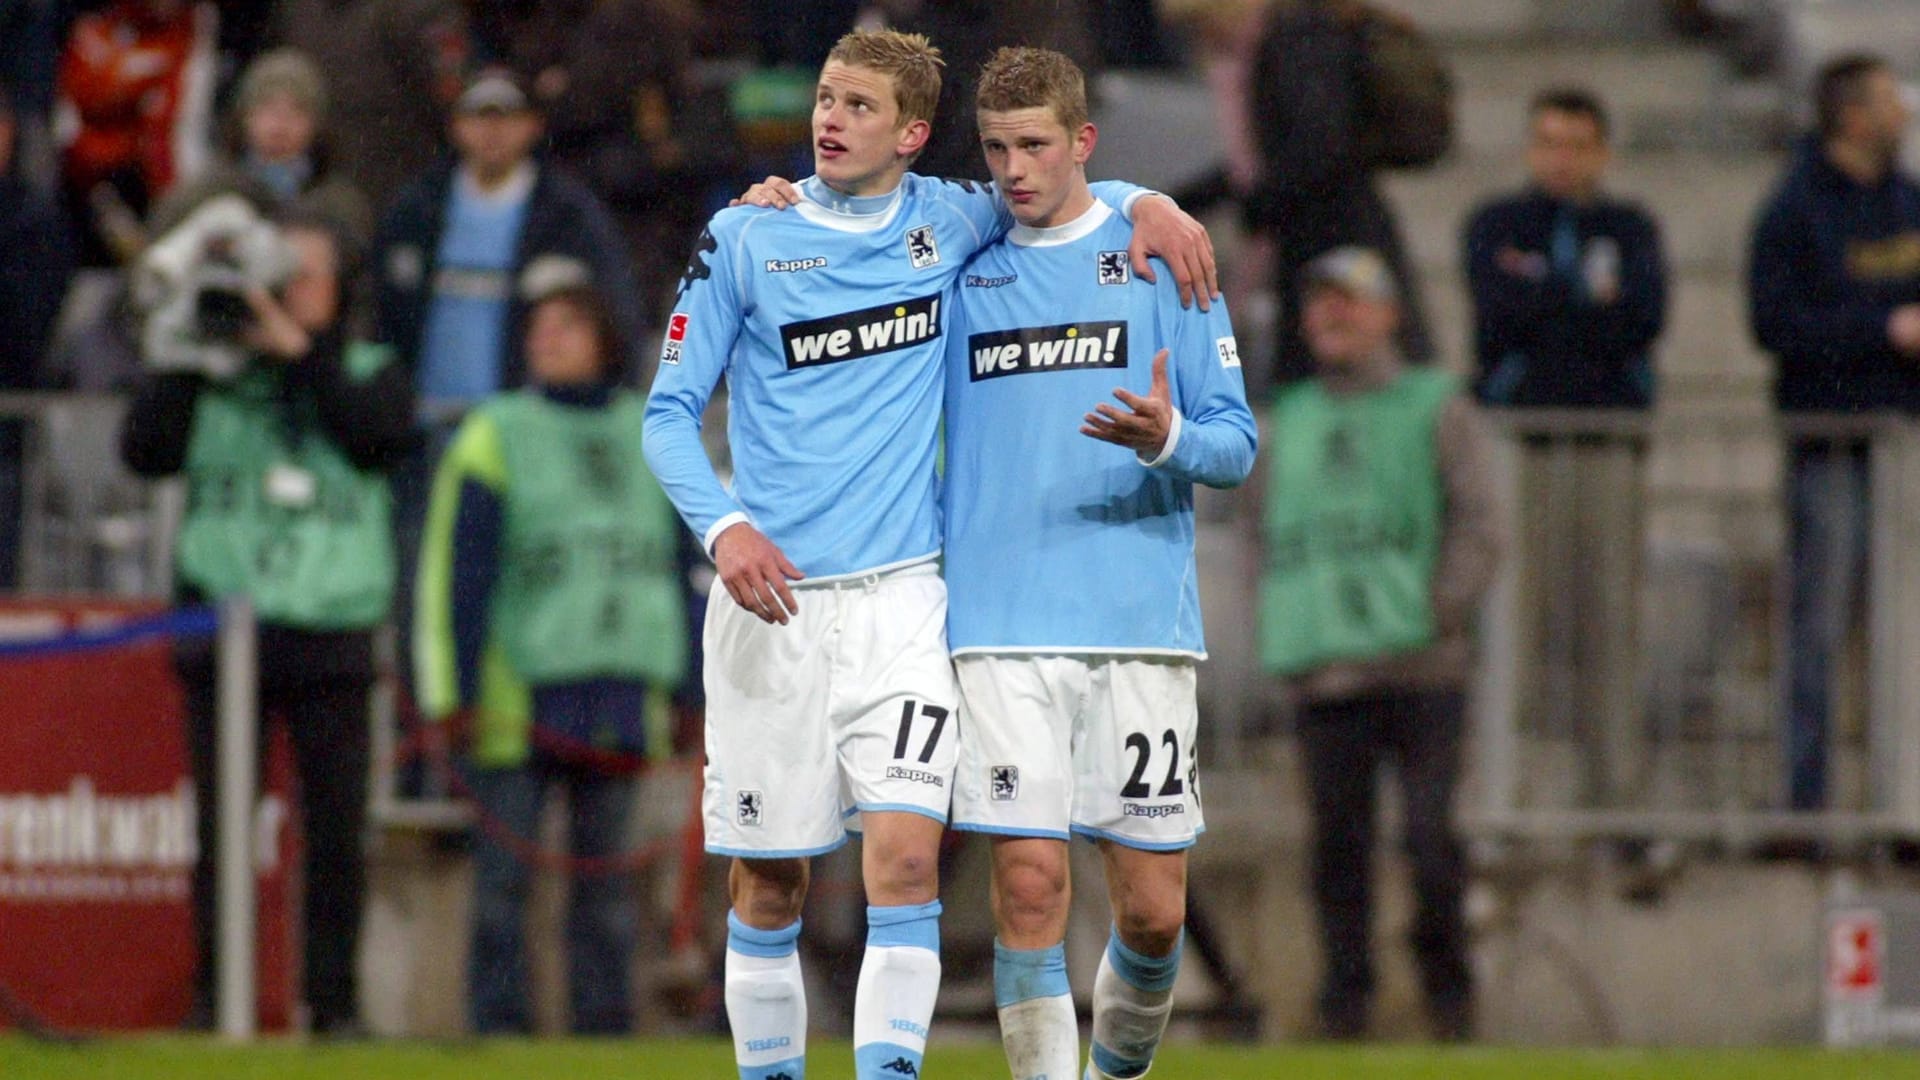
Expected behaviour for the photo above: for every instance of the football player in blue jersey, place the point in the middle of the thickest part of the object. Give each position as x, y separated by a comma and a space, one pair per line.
830, 692
1074, 618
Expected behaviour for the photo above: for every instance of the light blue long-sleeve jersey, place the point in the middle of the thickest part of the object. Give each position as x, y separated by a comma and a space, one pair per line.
828, 322
1058, 542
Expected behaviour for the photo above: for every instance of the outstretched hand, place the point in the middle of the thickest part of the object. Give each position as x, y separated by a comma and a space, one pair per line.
755, 572
1161, 228
1146, 428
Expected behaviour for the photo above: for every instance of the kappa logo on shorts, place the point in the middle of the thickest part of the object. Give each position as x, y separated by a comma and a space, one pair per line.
1113, 268
1003, 783
1148, 810
746, 808
921, 250
918, 776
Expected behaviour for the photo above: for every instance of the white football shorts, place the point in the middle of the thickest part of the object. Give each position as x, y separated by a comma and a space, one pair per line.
1095, 745
849, 707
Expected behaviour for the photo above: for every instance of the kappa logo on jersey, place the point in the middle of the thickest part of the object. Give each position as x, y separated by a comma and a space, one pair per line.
697, 268
1229, 351
746, 808
858, 334
921, 250
1003, 783
975, 281
1114, 269
676, 337
1048, 348
796, 266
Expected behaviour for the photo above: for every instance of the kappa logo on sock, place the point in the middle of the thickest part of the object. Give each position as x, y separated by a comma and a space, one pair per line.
746, 808
781, 1076
902, 1066
1003, 783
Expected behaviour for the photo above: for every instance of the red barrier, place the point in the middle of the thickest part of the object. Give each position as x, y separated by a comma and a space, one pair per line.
97, 833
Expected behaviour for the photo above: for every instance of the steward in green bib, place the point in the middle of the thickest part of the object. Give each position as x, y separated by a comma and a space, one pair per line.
551, 612
284, 432
1379, 536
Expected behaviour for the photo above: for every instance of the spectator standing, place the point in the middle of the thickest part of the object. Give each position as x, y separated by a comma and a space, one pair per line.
395, 68
1569, 294
279, 110
287, 505
136, 80
551, 603
1317, 159
454, 252
1835, 297
33, 278
1380, 536
1569, 284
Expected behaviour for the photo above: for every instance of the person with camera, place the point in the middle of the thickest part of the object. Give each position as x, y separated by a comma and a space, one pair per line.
283, 430
552, 605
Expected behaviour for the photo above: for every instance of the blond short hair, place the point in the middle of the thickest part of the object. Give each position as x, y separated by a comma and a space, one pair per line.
910, 60
1022, 77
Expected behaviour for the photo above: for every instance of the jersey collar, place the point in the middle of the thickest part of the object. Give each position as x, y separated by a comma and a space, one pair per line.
849, 213
1027, 236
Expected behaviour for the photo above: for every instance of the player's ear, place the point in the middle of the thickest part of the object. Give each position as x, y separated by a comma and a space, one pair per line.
1083, 142
913, 137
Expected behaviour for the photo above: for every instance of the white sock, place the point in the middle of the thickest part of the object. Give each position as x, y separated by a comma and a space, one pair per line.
766, 1001
1037, 1022
899, 980
1132, 997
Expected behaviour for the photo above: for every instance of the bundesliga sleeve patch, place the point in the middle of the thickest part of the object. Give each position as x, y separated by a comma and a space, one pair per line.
1229, 351
676, 336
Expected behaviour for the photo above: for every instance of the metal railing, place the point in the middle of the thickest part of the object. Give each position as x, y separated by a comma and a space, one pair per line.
1636, 641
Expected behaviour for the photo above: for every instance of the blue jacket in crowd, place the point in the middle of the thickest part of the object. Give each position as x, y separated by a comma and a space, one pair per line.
1568, 300
1831, 260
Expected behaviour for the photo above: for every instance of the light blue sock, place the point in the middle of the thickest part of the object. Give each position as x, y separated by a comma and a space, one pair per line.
1132, 998
766, 1001
899, 980
1037, 1024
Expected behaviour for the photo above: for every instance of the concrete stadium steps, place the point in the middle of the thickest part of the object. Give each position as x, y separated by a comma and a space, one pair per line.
1643, 83
1465, 21
1704, 203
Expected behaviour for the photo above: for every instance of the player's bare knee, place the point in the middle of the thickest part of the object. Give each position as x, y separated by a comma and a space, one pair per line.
768, 894
1149, 922
904, 875
1033, 897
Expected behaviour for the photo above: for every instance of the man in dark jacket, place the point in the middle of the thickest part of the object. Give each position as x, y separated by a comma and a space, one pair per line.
1835, 295
1569, 287
1316, 189
454, 253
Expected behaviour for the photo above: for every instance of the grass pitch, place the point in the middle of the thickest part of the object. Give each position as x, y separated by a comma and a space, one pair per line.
708, 1059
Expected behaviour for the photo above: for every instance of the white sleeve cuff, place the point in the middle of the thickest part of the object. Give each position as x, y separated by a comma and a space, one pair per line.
1126, 207
1173, 440
718, 527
